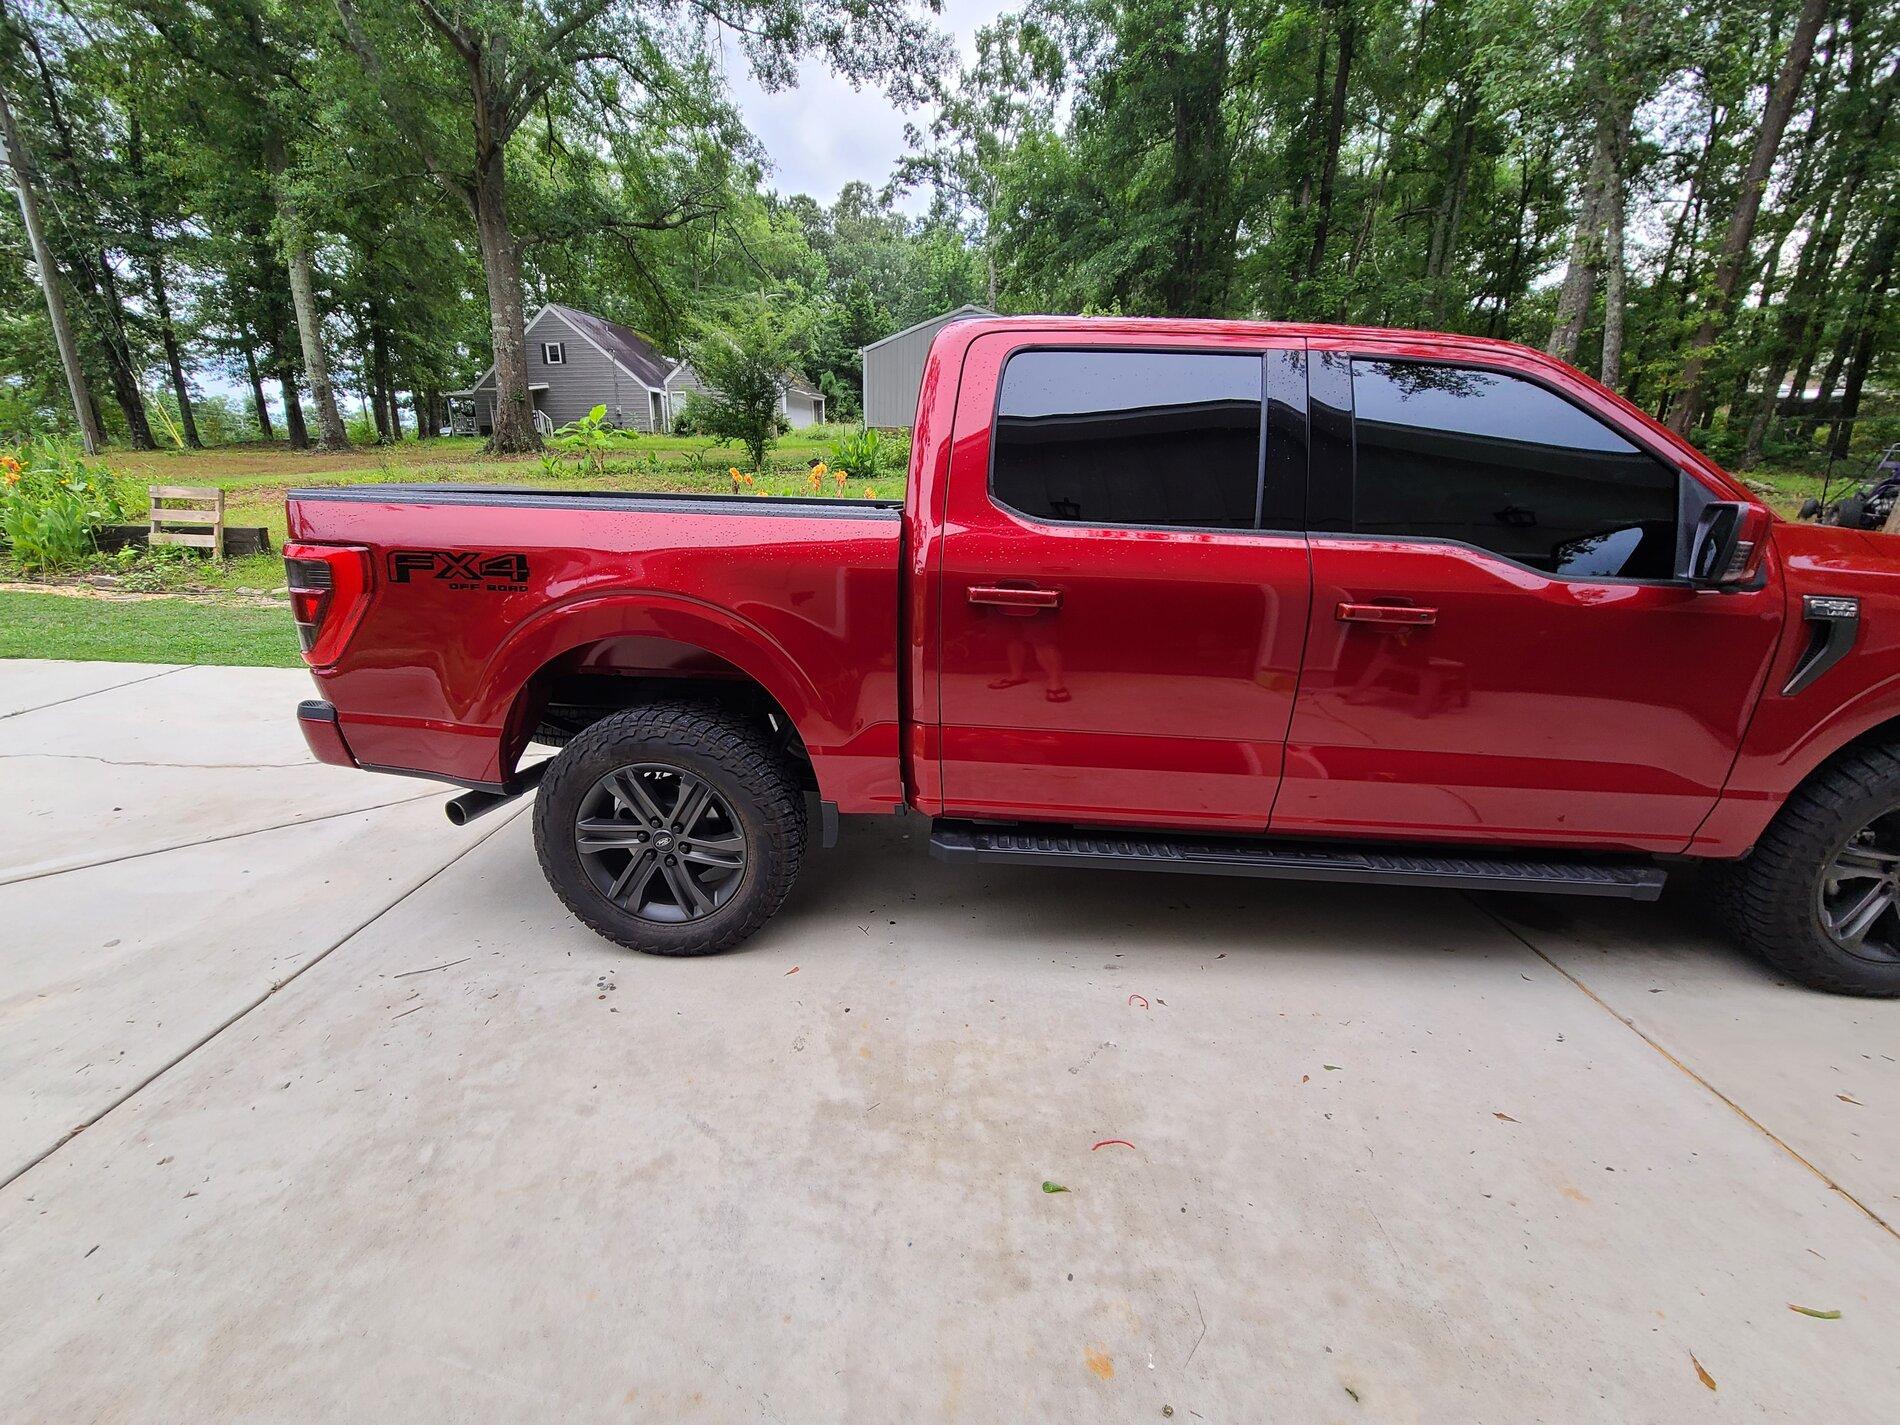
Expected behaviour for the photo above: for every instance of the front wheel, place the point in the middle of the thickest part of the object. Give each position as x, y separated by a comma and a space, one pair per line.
674, 828
1819, 897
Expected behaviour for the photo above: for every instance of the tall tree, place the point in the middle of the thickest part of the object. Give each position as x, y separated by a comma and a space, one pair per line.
1689, 407
26, 186
512, 60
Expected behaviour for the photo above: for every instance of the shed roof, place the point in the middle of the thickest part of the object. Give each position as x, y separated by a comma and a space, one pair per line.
968, 309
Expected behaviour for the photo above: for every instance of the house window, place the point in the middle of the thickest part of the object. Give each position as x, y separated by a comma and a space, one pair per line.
553, 353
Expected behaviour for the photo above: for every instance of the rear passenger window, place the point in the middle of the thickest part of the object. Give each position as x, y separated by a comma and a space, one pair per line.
1130, 437
1499, 462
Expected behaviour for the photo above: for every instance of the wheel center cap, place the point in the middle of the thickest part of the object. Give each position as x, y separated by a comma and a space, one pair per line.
663, 840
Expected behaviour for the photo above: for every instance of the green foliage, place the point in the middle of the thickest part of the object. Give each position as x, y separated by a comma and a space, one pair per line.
593, 437
858, 453
744, 359
52, 502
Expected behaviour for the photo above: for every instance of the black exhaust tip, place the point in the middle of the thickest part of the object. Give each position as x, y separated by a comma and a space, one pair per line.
475, 802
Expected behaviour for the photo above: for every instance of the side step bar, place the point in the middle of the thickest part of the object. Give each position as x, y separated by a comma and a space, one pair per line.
1294, 861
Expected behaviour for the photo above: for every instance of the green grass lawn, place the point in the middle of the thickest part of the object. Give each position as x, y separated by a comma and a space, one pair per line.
161, 630
216, 628
256, 479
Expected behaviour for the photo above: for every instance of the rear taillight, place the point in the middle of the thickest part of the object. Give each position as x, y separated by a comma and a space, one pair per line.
329, 590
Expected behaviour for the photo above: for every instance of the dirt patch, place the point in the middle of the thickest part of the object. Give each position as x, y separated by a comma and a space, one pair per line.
78, 589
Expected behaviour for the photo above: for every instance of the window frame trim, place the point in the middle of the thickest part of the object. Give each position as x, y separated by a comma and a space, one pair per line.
1257, 354
559, 348
1347, 480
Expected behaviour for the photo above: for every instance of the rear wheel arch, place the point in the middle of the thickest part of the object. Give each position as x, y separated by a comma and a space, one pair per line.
641, 648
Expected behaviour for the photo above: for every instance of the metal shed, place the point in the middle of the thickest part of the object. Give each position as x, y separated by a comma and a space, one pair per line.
894, 368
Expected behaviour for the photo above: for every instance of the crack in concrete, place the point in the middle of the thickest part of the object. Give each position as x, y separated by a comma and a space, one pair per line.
1630, 1024
92, 693
275, 986
6, 880
180, 766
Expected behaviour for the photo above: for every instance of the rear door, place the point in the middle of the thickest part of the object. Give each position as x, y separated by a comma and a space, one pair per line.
1123, 582
1499, 649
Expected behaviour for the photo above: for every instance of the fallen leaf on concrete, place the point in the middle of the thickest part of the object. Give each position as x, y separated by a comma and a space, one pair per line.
1306, 1078
1053, 1187
429, 970
792, 971
1505, 1116
1701, 1374
1334, 1068
1111, 1142
1849, 1098
1142, 998
1817, 1315
1353, 1393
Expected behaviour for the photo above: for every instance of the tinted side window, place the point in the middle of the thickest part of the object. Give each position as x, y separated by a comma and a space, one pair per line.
1129, 437
1504, 464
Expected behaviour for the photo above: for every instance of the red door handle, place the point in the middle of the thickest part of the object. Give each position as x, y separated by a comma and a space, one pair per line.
1016, 601
1404, 615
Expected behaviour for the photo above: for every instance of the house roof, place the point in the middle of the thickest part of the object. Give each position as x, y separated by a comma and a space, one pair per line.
634, 352
623, 346
968, 309
796, 383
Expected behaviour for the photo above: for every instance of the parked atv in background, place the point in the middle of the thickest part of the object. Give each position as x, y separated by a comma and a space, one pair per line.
1866, 507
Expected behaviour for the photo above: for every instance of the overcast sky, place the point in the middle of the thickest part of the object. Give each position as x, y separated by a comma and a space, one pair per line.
822, 135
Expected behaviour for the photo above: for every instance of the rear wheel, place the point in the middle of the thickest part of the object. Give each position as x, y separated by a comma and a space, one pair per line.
673, 828
1819, 897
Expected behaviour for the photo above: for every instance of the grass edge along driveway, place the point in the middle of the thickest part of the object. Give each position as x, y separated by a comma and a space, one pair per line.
153, 630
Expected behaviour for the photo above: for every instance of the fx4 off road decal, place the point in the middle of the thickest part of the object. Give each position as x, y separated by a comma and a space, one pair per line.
460, 569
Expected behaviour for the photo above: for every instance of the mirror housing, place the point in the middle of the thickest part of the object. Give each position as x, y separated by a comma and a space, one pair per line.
1726, 549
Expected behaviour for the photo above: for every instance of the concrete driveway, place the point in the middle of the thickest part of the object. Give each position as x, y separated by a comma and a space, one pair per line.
317, 1108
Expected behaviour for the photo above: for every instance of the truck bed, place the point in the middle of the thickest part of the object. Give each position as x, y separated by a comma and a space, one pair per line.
488, 603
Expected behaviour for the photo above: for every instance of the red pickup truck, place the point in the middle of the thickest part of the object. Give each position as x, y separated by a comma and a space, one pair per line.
1217, 597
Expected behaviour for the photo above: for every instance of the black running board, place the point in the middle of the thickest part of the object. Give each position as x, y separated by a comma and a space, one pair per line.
1294, 861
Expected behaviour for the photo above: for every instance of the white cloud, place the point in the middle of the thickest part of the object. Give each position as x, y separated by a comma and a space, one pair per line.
823, 134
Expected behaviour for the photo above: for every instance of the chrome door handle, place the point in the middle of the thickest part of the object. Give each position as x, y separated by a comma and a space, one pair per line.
1016, 601
1402, 615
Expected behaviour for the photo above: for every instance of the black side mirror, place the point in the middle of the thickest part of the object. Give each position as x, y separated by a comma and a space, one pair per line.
1717, 555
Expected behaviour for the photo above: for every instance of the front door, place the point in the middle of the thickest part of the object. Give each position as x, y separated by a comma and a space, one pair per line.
1498, 649
1123, 596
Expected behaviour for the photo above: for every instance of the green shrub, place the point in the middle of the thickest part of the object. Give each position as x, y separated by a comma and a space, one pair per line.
51, 504
860, 453
592, 437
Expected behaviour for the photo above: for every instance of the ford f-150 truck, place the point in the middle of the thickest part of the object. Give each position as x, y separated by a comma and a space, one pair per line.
1216, 597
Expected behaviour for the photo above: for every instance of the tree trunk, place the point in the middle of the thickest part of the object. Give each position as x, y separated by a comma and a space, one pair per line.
168, 333
24, 182
1586, 245
294, 428
1335, 130
423, 402
376, 379
514, 430
258, 404
1741, 229
1615, 283
1879, 277
331, 433
119, 363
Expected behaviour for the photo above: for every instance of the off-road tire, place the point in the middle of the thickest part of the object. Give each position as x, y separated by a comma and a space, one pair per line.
1771, 897
719, 747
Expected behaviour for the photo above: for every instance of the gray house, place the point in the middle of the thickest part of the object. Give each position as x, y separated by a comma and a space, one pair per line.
894, 368
577, 361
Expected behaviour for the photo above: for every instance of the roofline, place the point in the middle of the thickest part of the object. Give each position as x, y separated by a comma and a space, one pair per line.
970, 307
528, 326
